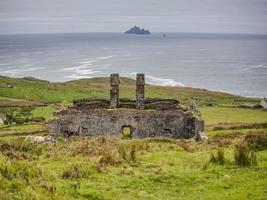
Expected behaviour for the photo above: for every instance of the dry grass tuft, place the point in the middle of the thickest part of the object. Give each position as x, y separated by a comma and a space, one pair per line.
244, 155
75, 172
218, 158
185, 145
106, 150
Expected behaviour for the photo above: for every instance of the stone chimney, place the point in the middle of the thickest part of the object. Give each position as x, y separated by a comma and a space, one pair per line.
140, 91
114, 91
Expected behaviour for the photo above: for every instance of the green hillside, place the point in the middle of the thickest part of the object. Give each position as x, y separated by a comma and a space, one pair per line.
47, 92
233, 158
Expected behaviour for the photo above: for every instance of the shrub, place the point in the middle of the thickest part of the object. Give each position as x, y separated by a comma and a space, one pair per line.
133, 153
9, 119
75, 172
17, 178
127, 152
258, 106
185, 145
244, 156
18, 169
20, 150
19, 121
107, 159
257, 141
218, 158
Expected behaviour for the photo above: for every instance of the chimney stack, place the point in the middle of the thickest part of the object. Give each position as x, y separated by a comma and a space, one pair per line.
140, 91
114, 91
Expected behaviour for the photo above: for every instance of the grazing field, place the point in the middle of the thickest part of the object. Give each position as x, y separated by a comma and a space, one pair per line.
216, 115
231, 164
44, 111
111, 168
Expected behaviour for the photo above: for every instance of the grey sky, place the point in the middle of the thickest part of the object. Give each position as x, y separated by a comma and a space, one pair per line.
230, 16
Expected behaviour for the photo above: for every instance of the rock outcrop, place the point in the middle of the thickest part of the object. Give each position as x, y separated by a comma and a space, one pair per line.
138, 30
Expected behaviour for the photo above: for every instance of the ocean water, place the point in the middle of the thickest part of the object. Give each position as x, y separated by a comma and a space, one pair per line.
231, 63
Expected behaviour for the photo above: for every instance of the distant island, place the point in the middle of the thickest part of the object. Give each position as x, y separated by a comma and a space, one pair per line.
138, 30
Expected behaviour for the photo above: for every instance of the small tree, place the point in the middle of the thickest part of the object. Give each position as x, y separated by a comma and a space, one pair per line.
9, 119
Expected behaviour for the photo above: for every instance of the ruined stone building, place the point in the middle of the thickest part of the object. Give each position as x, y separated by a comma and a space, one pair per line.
144, 117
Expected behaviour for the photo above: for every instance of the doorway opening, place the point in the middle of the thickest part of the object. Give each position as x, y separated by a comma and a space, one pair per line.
126, 132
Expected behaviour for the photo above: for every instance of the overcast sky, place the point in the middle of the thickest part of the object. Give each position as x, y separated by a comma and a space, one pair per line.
226, 16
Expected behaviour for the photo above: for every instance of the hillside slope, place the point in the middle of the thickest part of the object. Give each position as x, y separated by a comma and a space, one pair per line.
47, 92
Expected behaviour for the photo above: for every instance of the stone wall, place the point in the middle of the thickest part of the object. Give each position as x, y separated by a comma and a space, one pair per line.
155, 104
143, 123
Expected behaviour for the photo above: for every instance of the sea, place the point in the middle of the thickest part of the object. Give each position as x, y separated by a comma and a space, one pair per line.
231, 63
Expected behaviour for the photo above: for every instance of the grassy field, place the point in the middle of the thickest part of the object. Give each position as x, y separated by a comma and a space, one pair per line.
215, 115
46, 92
113, 168
44, 111
110, 168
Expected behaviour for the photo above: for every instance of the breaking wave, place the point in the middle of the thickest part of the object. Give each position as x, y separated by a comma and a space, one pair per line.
105, 57
253, 67
161, 81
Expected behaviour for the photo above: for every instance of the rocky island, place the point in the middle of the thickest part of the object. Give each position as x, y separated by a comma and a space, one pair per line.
138, 30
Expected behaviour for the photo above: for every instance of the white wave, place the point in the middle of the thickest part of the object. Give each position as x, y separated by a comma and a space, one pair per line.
88, 62
163, 81
31, 69
252, 67
160, 81
27, 65
258, 66
76, 76
105, 57
132, 73
85, 71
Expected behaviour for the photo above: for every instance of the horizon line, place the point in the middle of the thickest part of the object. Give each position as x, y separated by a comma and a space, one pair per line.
107, 32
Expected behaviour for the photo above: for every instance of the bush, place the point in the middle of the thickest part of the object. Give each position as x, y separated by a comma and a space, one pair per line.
19, 121
244, 155
6, 122
18, 178
9, 119
20, 150
257, 141
75, 172
218, 158
18, 169
258, 106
